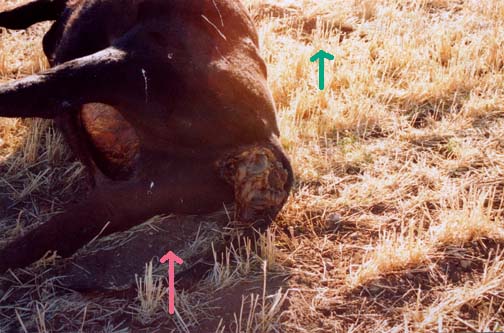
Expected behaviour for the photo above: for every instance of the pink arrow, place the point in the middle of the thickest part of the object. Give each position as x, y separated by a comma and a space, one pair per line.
172, 259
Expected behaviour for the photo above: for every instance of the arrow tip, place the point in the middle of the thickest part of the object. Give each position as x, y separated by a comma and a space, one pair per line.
170, 256
321, 54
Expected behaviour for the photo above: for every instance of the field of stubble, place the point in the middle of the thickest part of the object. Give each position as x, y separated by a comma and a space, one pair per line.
396, 220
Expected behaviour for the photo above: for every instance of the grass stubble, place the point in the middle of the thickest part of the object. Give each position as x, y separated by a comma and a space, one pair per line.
395, 223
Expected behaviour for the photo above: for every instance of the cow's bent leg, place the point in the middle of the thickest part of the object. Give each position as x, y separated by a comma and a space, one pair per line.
32, 12
190, 188
108, 76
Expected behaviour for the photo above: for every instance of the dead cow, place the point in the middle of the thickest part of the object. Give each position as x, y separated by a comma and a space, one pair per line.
164, 101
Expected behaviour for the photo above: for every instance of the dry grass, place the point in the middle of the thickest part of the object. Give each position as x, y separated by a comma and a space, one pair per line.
150, 295
395, 223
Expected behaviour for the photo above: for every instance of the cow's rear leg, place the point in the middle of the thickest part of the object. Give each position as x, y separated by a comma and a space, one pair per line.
32, 12
190, 188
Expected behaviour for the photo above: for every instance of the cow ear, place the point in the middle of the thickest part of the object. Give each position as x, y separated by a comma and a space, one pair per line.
36, 11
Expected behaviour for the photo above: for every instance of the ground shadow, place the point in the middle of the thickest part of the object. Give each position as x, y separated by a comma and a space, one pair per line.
102, 276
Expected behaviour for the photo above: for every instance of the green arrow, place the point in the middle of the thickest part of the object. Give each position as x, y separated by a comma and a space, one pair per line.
321, 56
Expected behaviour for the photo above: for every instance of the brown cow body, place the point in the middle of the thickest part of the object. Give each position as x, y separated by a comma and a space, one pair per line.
166, 103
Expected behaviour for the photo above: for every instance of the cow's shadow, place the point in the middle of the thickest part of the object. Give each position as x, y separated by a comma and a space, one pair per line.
111, 266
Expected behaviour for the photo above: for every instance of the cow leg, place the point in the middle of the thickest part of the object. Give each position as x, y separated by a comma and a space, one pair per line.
108, 77
191, 187
32, 12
